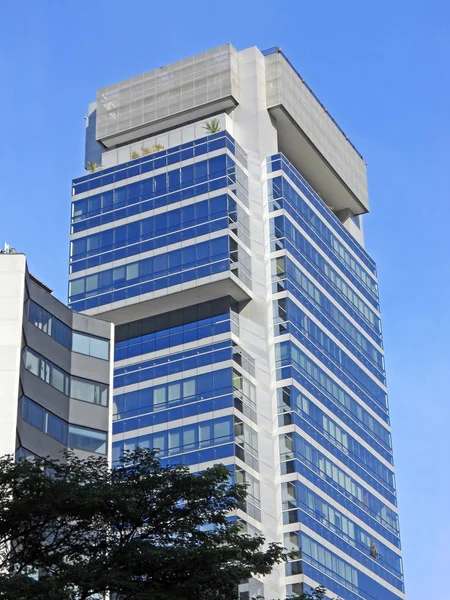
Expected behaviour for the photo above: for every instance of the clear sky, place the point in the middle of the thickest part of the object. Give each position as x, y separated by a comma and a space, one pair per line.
381, 67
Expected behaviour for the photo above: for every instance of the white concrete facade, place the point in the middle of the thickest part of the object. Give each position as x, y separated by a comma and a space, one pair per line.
12, 292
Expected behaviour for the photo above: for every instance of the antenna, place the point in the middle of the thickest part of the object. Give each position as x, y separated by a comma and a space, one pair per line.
7, 249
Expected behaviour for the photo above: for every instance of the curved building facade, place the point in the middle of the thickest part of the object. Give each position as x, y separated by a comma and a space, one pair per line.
55, 372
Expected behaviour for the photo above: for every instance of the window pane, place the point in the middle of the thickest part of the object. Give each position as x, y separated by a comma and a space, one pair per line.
131, 401
58, 380
31, 362
129, 446
93, 242
79, 208
205, 434
61, 333
237, 380
91, 283
174, 392
57, 428
116, 453
99, 348
118, 274
174, 441
159, 396
188, 437
160, 263
85, 344
44, 370
103, 390
189, 388
132, 271
222, 429
47, 322
80, 343
77, 287
82, 390
87, 439
35, 415
35, 314
159, 442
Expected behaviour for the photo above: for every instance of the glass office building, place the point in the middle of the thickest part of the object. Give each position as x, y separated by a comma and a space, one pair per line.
223, 236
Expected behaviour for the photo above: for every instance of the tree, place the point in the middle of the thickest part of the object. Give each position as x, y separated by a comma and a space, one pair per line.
140, 531
318, 593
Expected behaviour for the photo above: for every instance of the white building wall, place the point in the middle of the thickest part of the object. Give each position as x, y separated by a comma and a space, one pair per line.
254, 131
12, 292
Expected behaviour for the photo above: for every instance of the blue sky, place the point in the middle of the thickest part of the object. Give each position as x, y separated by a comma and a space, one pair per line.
382, 70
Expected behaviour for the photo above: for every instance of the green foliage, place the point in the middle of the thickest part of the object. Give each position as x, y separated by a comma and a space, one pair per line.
91, 166
141, 531
146, 150
317, 593
135, 155
212, 126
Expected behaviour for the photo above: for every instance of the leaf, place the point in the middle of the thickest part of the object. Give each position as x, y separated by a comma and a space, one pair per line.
212, 126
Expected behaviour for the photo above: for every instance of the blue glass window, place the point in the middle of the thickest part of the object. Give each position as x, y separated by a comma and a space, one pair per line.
279, 161
338, 523
182, 439
63, 334
149, 269
82, 438
345, 484
288, 355
292, 318
75, 387
175, 363
89, 440
287, 276
284, 233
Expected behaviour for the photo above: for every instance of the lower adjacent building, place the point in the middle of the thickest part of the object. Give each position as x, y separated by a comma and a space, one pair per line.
55, 370
221, 230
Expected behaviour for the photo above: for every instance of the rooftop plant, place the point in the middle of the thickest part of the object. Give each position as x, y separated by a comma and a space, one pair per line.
212, 126
92, 166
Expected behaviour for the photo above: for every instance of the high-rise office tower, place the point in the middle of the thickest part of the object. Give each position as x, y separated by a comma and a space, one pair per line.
223, 236
55, 370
